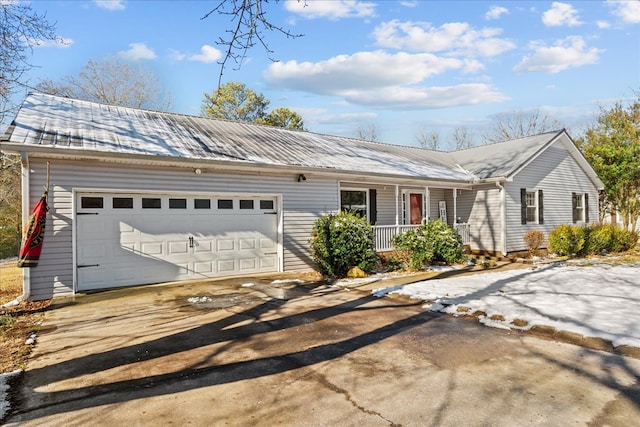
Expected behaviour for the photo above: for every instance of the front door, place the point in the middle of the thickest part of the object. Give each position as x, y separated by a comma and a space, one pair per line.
415, 208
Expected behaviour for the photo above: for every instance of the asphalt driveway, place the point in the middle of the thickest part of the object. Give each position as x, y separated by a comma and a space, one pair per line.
255, 352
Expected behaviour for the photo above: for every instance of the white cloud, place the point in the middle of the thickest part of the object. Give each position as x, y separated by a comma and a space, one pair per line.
335, 9
412, 97
137, 51
495, 12
457, 38
407, 3
383, 79
207, 55
627, 10
110, 4
603, 24
561, 14
570, 52
361, 70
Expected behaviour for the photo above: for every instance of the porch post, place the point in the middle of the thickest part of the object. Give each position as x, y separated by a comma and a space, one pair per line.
427, 204
397, 212
455, 206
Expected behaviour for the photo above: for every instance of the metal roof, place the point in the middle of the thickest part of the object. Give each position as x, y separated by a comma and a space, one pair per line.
64, 123
502, 159
77, 127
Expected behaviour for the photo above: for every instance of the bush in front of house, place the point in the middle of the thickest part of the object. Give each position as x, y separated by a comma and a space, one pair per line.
567, 240
342, 241
593, 239
447, 245
413, 248
533, 239
434, 241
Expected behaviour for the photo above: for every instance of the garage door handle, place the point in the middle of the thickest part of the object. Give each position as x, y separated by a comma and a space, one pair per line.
88, 265
270, 253
271, 213
86, 213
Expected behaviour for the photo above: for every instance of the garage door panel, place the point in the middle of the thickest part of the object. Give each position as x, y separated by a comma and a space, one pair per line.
246, 244
225, 245
133, 245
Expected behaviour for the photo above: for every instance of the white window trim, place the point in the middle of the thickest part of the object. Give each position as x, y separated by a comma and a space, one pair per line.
366, 193
406, 200
580, 197
536, 198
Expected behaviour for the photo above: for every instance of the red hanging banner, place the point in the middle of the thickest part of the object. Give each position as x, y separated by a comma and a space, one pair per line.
33, 235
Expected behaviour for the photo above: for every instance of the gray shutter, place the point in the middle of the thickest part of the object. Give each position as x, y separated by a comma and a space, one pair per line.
540, 208
586, 207
523, 206
373, 206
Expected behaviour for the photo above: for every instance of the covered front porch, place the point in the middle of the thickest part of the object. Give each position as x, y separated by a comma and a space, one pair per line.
395, 208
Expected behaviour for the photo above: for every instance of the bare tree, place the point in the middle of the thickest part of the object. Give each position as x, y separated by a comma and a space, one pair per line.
112, 82
518, 124
249, 21
20, 30
429, 140
461, 138
367, 132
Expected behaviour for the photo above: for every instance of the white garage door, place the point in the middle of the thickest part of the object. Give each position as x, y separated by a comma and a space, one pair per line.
132, 239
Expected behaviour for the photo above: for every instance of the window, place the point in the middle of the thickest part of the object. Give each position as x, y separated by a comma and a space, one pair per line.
246, 204
531, 208
151, 203
580, 204
354, 201
225, 204
266, 204
92, 203
122, 203
177, 203
202, 204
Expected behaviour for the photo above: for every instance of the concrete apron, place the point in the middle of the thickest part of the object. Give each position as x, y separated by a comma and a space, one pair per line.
220, 353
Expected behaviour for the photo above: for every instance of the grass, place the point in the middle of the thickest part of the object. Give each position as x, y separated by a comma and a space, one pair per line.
17, 323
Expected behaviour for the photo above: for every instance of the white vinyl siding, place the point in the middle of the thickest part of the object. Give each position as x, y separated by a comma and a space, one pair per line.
481, 208
558, 175
303, 203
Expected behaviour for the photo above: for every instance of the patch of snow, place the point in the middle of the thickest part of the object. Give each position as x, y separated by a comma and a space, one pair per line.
248, 285
284, 281
593, 300
380, 292
442, 268
357, 281
199, 300
4, 392
31, 340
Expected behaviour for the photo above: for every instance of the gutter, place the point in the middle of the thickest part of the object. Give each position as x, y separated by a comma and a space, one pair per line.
503, 217
26, 273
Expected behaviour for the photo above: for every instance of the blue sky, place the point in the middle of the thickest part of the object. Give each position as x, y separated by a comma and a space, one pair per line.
405, 67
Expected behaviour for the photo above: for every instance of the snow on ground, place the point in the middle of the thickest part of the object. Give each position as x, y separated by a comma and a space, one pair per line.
599, 300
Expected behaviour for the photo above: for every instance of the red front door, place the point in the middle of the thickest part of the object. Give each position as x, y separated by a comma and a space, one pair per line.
415, 208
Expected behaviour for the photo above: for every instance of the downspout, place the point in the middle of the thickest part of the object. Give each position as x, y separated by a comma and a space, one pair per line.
24, 187
503, 217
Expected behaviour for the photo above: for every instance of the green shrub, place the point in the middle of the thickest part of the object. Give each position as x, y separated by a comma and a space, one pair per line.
591, 239
621, 239
567, 240
413, 248
435, 241
342, 241
533, 239
446, 242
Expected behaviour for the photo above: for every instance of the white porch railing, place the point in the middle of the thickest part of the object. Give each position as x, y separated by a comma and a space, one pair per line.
383, 234
464, 230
